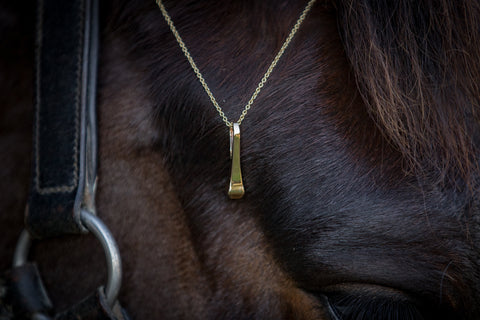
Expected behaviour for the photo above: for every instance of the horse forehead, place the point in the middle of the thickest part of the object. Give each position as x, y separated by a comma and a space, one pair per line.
323, 179
308, 128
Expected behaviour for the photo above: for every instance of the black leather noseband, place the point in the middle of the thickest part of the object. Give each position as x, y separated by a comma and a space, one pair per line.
66, 66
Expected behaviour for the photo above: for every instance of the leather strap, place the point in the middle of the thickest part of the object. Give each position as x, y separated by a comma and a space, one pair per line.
64, 164
25, 292
65, 152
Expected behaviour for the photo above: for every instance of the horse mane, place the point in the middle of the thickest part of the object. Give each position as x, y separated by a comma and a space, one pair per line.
417, 66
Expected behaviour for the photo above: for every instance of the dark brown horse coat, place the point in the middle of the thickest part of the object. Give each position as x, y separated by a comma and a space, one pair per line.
359, 160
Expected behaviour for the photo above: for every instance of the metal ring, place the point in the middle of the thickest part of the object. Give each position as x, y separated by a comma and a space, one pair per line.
110, 248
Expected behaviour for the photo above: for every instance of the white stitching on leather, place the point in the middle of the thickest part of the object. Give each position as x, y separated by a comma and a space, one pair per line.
73, 185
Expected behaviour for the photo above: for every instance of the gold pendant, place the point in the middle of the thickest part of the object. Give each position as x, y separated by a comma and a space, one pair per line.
235, 190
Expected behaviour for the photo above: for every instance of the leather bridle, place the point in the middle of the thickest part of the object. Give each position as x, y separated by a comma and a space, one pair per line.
62, 193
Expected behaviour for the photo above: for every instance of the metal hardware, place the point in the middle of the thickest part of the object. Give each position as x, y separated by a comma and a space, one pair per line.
114, 264
262, 82
236, 189
101, 232
40, 316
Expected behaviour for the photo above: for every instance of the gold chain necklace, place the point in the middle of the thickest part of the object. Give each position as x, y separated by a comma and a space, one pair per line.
236, 189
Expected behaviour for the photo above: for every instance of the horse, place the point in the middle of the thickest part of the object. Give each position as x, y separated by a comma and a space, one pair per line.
359, 157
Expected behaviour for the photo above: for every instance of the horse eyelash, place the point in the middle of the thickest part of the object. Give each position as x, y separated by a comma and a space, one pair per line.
350, 307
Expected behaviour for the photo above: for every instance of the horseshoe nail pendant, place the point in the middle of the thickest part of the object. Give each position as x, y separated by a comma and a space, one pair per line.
236, 189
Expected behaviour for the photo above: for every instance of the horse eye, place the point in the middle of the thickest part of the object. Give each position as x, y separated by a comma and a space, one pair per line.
344, 306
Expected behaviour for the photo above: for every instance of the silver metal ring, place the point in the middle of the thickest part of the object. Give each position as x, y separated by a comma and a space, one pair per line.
21, 249
110, 248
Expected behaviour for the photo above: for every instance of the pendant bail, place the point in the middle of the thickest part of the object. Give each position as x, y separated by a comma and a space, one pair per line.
236, 189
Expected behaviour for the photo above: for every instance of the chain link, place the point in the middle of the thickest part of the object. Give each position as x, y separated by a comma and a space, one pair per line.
260, 84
